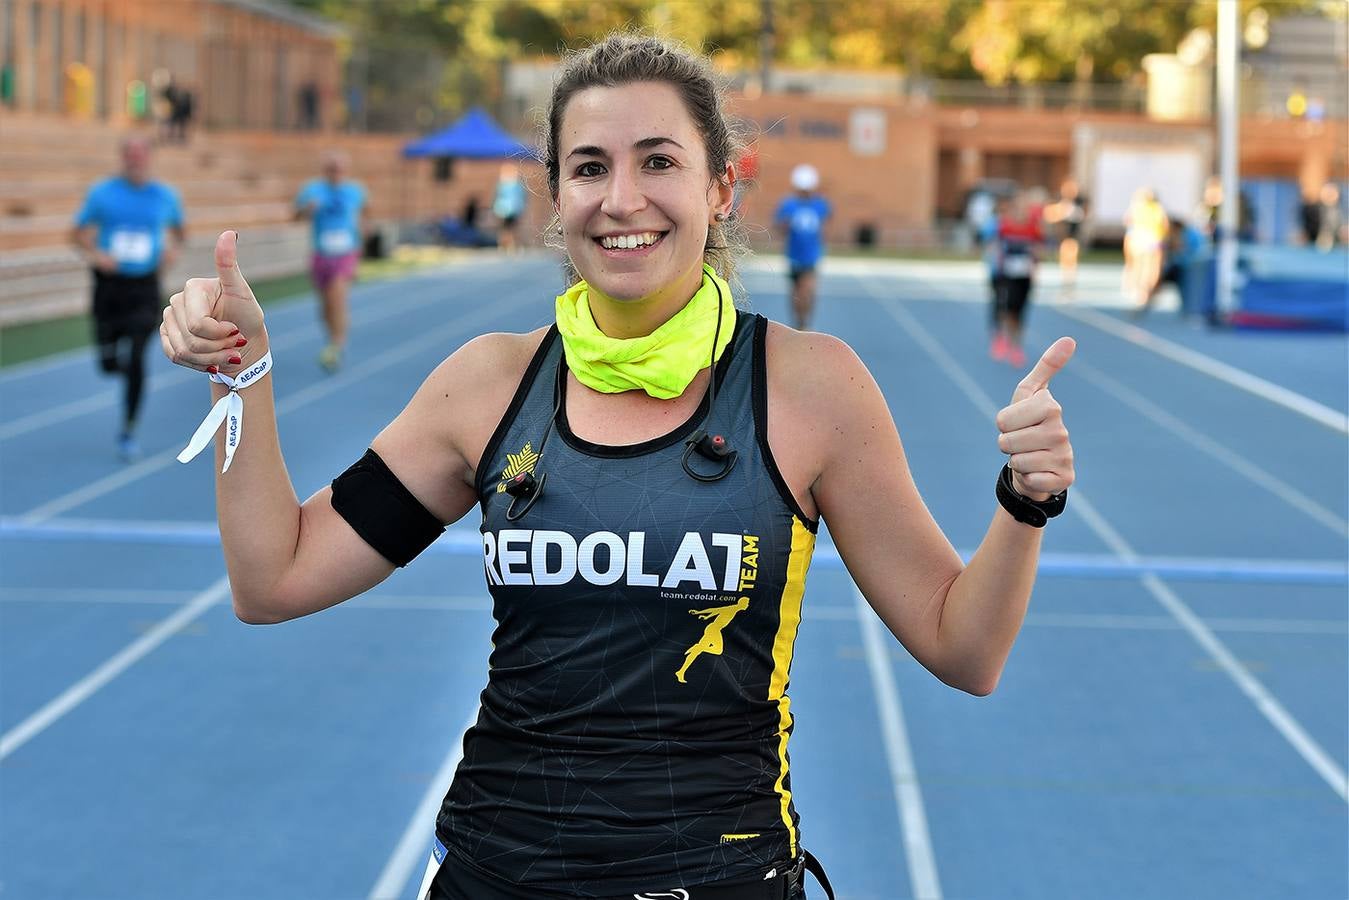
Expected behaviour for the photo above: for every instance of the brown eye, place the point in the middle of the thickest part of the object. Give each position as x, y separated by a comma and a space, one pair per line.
660, 162
589, 170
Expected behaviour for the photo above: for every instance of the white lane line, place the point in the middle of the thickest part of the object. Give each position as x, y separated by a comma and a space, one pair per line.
465, 541
46, 364
1252, 384
395, 354
81, 690
1166, 623
1235, 461
415, 844
162, 597
178, 375
921, 860
1283, 721
834, 612
1264, 701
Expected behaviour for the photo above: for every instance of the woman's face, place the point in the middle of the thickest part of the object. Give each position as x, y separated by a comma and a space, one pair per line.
634, 195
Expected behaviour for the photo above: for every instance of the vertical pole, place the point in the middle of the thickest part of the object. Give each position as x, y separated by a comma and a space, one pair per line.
1229, 213
767, 45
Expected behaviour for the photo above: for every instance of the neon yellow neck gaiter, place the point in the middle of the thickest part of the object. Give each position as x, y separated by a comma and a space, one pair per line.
661, 363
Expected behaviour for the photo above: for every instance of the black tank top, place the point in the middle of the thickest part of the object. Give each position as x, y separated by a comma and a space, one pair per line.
633, 731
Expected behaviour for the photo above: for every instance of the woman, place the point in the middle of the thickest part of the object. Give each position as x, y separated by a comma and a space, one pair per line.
646, 527
1018, 238
1069, 214
1146, 227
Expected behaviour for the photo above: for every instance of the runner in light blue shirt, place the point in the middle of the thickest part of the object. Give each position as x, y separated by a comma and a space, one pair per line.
336, 206
129, 229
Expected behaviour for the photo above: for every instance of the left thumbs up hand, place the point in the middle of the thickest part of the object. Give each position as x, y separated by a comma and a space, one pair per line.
1032, 431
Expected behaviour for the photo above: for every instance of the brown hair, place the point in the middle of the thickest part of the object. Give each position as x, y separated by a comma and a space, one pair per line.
622, 59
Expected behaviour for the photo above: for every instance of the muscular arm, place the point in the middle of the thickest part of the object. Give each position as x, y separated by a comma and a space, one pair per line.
309, 558
287, 559
958, 620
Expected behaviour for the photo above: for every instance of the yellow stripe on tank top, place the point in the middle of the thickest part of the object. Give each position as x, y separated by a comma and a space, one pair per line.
789, 618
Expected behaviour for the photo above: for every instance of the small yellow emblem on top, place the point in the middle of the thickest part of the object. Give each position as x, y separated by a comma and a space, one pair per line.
524, 461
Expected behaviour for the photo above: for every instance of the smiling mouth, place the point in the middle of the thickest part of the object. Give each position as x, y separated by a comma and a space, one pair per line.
631, 242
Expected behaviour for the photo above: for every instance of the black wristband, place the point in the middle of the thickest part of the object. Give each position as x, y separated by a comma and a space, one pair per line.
1034, 513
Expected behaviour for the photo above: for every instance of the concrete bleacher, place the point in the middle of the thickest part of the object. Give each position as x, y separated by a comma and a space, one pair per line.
240, 180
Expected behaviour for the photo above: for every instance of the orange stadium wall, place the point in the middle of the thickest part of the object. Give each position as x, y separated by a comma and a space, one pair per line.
907, 177
877, 164
244, 62
227, 179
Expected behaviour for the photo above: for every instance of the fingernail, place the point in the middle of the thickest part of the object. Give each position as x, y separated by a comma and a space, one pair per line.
236, 237
241, 342
213, 370
232, 333
236, 359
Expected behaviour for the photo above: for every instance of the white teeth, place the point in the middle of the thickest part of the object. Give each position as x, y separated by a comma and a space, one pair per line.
629, 241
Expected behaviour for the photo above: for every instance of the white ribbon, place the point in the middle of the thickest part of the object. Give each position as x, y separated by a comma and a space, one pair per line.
228, 409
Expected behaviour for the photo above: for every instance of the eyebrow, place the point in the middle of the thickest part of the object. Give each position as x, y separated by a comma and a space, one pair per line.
643, 144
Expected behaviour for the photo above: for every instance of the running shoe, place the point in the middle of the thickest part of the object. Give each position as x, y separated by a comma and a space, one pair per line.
330, 358
998, 349
127, 448
1016, 356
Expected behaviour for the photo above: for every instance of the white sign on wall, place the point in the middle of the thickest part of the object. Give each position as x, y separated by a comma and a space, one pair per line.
866, 131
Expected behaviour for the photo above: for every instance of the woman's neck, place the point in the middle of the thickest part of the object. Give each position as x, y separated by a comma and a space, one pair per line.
625, 319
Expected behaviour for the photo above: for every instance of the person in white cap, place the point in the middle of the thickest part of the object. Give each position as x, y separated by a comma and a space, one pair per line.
801, 216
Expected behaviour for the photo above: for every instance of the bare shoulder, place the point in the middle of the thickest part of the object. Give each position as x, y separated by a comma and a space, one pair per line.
489, 361
816, 371
461, 401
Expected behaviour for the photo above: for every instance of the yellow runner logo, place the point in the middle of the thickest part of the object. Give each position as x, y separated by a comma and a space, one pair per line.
524, 461
718, 617
731, 838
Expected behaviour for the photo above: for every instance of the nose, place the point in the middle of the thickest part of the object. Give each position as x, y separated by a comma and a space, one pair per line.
623, 195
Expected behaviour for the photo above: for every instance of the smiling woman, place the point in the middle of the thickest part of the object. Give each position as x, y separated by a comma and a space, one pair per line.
689, 151
632, 737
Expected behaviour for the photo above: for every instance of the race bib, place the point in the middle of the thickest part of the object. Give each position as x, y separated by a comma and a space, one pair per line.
131, 247
336, 242
1018, 266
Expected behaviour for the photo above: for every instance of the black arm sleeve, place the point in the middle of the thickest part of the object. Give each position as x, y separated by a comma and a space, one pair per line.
383, 512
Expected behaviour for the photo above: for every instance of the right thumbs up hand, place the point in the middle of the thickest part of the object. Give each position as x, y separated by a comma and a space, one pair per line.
215, 324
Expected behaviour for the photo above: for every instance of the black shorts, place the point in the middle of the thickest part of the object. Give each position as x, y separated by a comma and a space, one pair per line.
797, 271
459, 879
1013, 294
125, 306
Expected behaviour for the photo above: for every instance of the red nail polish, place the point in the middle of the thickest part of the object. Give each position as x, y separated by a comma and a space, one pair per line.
236, 359
213, 370
241, 342
232, 333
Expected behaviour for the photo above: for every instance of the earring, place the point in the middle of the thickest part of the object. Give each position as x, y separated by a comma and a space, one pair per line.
720, 217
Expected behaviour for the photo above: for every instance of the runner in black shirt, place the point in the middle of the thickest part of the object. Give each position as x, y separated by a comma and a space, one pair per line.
650, 471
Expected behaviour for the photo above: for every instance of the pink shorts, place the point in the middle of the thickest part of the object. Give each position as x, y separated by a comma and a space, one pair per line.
327, 269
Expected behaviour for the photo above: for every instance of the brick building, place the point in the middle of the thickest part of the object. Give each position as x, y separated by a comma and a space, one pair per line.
250, 64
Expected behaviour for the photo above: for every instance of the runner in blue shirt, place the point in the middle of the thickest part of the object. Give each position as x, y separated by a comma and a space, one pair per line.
121, 233
508, 205
337, 208
802, 216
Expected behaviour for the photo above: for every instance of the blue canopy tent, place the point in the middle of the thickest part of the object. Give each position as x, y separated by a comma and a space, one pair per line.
474, 136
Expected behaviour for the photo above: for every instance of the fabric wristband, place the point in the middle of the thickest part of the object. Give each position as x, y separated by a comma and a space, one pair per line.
228, 409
